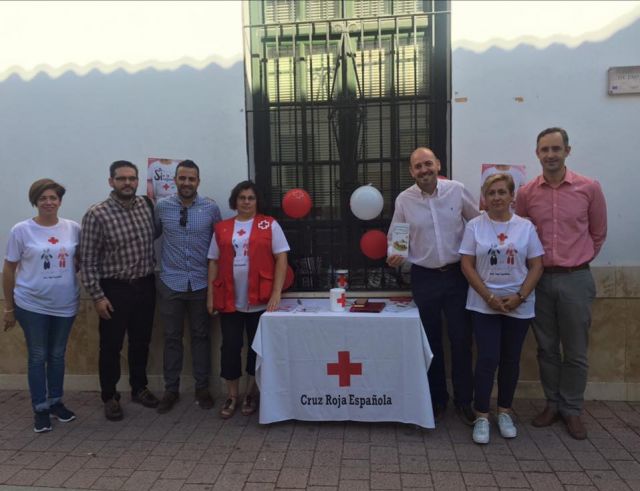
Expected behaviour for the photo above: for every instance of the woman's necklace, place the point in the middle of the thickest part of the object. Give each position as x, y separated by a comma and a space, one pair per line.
502, 236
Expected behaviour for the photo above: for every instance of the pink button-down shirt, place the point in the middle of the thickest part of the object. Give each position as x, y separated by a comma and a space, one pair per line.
436, 222
571, 219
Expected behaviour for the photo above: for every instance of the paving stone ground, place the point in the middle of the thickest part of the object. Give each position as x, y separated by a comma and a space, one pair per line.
191, 449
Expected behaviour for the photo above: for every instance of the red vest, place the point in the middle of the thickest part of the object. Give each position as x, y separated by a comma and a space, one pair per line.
261, 264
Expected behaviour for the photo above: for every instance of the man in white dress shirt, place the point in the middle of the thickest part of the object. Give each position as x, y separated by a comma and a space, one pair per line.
436, 211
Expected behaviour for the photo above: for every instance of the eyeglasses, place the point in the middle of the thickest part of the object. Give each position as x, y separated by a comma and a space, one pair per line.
183, 216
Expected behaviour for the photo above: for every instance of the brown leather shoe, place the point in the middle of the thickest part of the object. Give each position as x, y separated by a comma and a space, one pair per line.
146, 398
575, 427
545, 418
112, 410
204, 399
167, 402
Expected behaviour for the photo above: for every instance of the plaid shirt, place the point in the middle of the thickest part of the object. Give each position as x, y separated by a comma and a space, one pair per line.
184, 248
116, 242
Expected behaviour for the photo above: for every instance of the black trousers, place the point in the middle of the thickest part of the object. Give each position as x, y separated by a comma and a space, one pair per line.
233, 325
436, 292
133, 306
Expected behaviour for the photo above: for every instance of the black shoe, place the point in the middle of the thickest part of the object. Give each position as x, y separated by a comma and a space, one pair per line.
167, 402
438, 411
204, 399
146, 398
62, 413
41, 421
466, 414
112, 410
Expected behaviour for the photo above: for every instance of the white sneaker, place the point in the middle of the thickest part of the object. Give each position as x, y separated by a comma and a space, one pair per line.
481, 431
507, 428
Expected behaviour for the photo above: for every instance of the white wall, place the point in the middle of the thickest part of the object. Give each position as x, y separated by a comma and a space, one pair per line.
71, 128
559, 86
69, 125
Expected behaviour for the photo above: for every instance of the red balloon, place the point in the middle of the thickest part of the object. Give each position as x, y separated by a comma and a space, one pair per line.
288, 279
296, 203
373, 244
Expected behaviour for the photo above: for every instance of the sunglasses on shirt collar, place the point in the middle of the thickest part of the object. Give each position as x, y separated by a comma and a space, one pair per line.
183, 216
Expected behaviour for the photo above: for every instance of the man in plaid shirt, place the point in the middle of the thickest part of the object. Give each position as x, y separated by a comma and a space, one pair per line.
117, 257
186, 221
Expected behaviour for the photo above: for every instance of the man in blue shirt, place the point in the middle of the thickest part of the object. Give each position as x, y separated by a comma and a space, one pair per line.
186, 222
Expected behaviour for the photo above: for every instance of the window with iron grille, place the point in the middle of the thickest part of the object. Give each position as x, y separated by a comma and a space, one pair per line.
339, 93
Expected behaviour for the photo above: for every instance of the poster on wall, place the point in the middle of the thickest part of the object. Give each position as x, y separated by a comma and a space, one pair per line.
518, 173
160, 174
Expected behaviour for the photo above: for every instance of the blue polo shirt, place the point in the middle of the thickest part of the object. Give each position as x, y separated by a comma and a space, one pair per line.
183, 260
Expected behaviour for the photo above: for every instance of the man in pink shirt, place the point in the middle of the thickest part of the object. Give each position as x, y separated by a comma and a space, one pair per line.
570, 215
436, 211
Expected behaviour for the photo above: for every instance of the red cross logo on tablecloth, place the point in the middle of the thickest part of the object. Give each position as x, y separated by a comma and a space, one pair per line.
342, 300
344, 369
166, 186
53, 240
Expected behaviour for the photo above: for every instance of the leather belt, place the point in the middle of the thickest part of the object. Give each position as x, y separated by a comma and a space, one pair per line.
562, 269
446, 267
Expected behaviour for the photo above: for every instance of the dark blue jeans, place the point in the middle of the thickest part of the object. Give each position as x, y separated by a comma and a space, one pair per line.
46, 337
499, 341
435, 292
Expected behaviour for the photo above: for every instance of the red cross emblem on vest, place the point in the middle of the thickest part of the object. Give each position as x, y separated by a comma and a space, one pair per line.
344, 369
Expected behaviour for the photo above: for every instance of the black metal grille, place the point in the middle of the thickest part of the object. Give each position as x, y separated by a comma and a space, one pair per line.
340, 95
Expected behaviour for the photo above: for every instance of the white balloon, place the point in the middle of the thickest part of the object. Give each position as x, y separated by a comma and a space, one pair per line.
366, 202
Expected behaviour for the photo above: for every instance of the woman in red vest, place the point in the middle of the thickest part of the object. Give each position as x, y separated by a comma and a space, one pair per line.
247, 267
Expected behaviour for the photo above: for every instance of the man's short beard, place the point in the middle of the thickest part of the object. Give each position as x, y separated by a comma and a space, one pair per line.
125, 197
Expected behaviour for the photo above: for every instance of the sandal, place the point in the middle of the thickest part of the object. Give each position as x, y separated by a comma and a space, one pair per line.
229, 408
249, 405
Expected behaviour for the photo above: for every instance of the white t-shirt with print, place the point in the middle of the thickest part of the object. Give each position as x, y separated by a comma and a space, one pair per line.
501, 250
46, 281
161, 177
240, 241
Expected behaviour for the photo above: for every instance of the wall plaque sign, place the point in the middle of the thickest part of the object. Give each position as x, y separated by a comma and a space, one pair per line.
624, 80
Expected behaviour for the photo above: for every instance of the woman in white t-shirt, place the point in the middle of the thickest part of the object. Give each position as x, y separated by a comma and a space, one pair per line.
41, 293
247, 268
502, 260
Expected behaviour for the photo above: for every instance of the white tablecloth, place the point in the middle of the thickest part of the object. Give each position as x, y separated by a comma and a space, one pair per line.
382, 375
